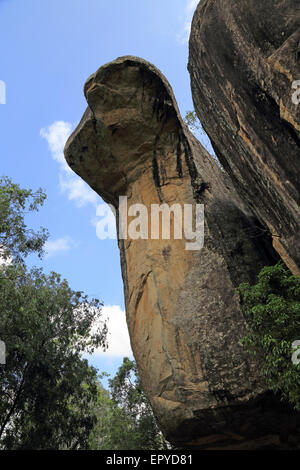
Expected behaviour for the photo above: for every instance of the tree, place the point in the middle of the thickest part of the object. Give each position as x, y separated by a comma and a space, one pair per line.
99, 438
272, 308
191, 119
195, 126
47, 391
16, 239
128, 421
46, 388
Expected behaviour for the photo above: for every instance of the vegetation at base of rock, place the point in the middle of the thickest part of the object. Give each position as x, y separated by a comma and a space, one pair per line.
125, 417
272, 308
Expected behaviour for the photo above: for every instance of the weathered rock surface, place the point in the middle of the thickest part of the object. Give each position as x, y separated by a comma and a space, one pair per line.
244, 58
182, 310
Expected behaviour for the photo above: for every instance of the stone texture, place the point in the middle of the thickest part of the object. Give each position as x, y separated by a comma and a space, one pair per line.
182, 309
244, 57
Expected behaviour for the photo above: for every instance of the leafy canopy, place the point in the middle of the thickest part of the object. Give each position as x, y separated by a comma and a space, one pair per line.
272, 308
126, 420
47, 390
16, 239
191, 119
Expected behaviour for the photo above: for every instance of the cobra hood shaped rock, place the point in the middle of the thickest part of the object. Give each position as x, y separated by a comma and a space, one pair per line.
182, 310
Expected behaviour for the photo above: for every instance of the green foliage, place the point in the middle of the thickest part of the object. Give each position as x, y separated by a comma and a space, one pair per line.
195, 126
16, 239
191, 119
102, 409
47, 391
126, 419
50, 398
272, 308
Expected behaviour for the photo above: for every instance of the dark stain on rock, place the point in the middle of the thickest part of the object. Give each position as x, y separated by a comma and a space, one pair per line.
203, 187
155, 170
166, 253
178, 160
113, 129
71, 160
163, 173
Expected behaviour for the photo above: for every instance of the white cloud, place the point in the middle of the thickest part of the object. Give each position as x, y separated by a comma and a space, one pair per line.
77, 190
118, 336
189, 12
4, 260
56, 136
53, 247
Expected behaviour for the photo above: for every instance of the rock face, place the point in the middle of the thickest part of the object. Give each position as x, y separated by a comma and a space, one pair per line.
182, 311
244, 61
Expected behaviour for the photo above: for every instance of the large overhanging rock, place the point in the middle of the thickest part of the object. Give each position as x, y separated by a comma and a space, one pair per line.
244, 65
182, 310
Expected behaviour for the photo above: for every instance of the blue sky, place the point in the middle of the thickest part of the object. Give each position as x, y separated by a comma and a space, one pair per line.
48, 49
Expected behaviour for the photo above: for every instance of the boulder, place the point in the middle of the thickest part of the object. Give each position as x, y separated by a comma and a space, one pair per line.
244, 64
183, 313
